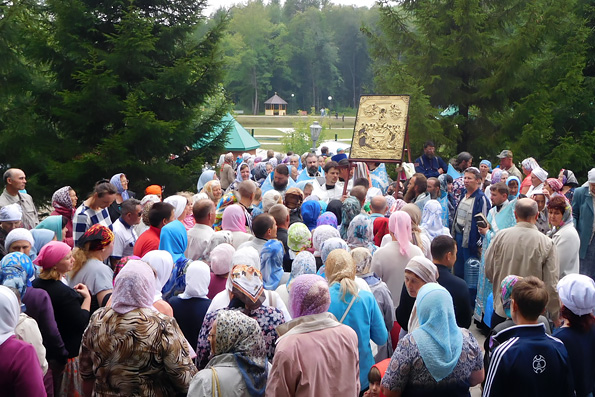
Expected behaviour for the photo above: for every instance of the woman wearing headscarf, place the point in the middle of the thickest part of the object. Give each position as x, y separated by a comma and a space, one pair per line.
71, 309
327, 247
55, 224
355, 308
206, 177
335, 206
19, 240
361, 233
418, 272
190, 307
513, 184
350, 209
363, 269
419, 237
300, 367
446, 358
40, 238
220, 262
569, 183
226, 173
320, 235
234, 220
564, 235
182, 206
120, 181
431, 220
528, 165
327, 218
213, 190
269, 199
64, 202
553, 187
485, 168
310, 213
218, 238
380, 230
239, 364
271, 264
119, 354
162, 264
293, 200
174, 240
20, 372
304, 263
243, 174
247, 297
447, 199
577, 298
538, 178
389, 261
260, 173
93, 248
299, 238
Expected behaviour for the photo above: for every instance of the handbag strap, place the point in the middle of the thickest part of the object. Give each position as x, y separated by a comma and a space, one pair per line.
215, 383
348, 308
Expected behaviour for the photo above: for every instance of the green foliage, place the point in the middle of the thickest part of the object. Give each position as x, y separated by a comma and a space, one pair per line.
110, 87
299, 140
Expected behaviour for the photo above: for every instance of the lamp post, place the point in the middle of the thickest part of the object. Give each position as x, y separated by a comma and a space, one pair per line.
292, 107
330, 98
315, 130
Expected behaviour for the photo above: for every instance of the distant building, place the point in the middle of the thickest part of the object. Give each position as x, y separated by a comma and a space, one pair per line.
275, 106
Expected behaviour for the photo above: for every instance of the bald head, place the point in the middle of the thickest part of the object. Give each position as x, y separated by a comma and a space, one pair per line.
359, 192
378, 205
526, 210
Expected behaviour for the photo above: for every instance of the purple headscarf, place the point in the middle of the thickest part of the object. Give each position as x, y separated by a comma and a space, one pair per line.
327, 218
309, 294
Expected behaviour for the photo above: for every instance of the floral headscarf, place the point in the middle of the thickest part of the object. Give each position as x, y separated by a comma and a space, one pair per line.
309, 295
298, 237
555, 184
506, 286
363, 260
241, 336
322, 234
271, 264
61, 198
330, 245
361, 232
310, 213
134, 287
17, 271
217, 238
304, 263
496, 176
327, 218
247, 286
98, 235
350, 208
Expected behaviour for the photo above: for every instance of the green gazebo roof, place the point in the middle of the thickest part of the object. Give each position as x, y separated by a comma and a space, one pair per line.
238, 139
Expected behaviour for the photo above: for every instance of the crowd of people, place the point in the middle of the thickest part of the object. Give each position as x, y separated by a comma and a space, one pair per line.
304, 276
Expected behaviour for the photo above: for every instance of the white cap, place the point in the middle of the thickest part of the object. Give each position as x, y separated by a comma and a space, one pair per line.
11, 213
577, 293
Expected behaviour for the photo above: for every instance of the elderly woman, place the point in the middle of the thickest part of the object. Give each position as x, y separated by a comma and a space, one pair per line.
234, 221
213, 190
19, 240
118, 352
190, 307
577, 298
310, 213
528, 165
564, 235
390, 260
418, 272
175, 241
355, 308
94, 247
120, 181
569, 183
438, 358
320, 235
298, 239
431, 220
350, 209
20, 372
238, 365
220, 261
64, 202
363, 267
304, 263
361, 233
226, 173
162, 264
71, 308
271, 263
204, 178
538, 178
300, 367
247, 297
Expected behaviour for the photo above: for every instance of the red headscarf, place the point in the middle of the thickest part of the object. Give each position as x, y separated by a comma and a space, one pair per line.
380, 229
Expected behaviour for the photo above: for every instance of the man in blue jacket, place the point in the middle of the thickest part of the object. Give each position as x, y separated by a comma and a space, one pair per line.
582, 212
527, 361
428, 163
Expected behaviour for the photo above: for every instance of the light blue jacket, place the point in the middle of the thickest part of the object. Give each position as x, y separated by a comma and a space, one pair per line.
366, 319
582, 212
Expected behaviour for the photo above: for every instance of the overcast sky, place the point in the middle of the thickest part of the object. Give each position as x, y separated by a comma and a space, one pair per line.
215, 4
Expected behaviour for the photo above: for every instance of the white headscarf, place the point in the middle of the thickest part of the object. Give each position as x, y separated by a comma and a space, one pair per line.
198, 278
431, 219
18, 234
9, 313
540, 173
246, 256
179, 203
163, 264
11, 213
577, 293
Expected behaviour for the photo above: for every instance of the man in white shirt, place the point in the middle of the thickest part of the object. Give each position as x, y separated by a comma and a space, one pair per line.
124, 235
203, 212
331, 189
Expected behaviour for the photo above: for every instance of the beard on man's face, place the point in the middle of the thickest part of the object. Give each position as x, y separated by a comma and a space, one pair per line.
410, 195
280, 186
312, 170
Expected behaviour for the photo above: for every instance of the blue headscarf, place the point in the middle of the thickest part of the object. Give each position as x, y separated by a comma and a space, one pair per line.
304, 263
271, 264
174, 239
310, 213
438, 336
53, 223
118, 184
203, 179
17, 271
41, 238
327, 218
510, 178
488, 163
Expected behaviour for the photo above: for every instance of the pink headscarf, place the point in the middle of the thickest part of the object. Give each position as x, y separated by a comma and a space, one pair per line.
309, 294
399, 224
52, 253
234, 219
221, 257
134, 287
